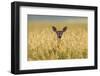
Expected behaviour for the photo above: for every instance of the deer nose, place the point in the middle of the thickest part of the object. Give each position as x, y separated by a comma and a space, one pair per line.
59, 37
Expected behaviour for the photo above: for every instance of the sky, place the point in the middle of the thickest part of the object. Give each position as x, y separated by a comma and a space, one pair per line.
55, 18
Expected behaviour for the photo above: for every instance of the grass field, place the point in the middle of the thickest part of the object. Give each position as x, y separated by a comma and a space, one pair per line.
43, 43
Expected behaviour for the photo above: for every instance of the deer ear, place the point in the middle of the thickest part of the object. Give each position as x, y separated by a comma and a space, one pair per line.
54, 28
65, 28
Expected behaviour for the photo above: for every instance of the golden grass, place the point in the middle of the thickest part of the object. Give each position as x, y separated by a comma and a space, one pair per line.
44, 45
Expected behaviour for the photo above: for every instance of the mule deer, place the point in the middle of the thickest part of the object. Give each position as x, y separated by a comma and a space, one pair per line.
59, 35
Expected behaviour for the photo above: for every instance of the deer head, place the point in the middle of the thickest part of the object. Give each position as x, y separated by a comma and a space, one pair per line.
59, 33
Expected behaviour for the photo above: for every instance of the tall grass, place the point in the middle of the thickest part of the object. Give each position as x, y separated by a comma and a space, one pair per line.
44, 45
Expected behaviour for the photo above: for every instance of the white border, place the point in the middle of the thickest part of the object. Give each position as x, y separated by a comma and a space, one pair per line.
25, 65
